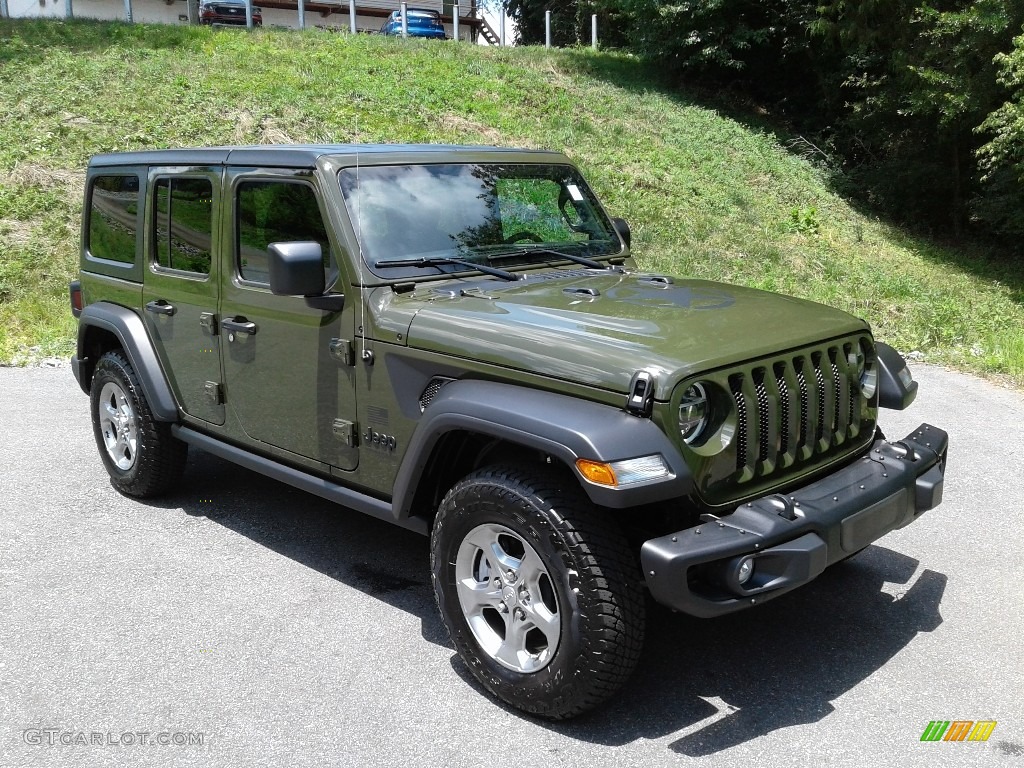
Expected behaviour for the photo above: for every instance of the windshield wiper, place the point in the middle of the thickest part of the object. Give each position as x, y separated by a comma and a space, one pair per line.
436, 261
559, 254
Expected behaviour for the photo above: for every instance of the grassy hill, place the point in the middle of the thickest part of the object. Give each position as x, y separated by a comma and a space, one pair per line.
707, 195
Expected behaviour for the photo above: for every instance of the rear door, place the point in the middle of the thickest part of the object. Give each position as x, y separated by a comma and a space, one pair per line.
288, 376
182, 285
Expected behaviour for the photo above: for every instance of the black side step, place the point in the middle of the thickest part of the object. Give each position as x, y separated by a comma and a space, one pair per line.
305, 481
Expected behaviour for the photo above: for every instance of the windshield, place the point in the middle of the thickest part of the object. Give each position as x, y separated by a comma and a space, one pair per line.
475, 213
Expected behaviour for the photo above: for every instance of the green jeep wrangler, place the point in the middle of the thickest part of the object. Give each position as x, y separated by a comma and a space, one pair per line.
457, 340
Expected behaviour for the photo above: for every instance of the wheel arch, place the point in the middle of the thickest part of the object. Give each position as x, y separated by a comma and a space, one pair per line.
455, 454
896, 387
104, 326
469, 423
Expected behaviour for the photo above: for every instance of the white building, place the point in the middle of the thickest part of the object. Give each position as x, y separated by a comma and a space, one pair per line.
326, 14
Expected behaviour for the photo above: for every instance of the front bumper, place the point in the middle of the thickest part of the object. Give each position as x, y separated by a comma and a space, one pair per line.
792, 538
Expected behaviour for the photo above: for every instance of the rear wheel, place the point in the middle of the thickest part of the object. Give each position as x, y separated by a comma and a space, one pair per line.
140, 454
538, 589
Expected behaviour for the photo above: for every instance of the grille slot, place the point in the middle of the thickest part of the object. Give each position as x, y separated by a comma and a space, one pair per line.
795, 410
736, 385
786, 436
805, 400
819, 378
765, 429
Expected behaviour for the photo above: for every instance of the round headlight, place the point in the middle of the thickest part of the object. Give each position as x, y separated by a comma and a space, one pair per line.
867, 371
693, 412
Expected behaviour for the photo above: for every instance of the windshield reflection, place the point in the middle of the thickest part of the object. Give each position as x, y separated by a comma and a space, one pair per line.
474, 212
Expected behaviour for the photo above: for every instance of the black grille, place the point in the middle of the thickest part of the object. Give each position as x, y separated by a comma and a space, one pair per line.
795, 410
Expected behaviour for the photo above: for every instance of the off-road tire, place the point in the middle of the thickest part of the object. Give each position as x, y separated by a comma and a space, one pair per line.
595, 579
153, 460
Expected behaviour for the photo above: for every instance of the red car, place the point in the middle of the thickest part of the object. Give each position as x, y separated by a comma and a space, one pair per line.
227, 12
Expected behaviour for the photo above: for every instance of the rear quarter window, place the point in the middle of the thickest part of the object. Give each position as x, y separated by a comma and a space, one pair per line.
113, 216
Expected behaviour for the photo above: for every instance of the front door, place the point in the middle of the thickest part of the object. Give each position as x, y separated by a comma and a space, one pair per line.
287, 380
181, 286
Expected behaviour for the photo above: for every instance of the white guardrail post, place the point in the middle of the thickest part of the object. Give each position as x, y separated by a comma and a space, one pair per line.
593, 31
352, 16
128, 11
455, 21
405, 19
302, 14
547, 29
501, 27
69, 12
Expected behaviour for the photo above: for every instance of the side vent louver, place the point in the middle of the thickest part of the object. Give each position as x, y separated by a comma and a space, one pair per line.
431, 390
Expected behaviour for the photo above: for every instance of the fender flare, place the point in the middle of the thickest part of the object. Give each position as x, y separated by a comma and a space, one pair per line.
567, 428
131, 334
896, 387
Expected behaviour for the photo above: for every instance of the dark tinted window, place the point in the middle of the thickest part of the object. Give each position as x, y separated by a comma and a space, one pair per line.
113, 222
184, 224
275, 212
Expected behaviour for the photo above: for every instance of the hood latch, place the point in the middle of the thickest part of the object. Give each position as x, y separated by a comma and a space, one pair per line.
640, 401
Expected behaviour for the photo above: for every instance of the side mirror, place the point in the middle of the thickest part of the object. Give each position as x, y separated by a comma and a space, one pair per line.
622, 227
296, 269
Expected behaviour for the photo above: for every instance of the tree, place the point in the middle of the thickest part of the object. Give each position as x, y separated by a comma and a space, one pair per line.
919, 78
1001, 159
570, 21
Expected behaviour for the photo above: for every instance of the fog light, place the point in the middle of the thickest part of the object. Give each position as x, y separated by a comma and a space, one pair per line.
745, 570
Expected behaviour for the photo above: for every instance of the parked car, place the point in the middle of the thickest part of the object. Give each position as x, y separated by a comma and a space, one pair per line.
421, 23
230, 12
457, 340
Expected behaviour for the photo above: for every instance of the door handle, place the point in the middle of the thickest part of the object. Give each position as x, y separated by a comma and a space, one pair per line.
160, 307
238, 325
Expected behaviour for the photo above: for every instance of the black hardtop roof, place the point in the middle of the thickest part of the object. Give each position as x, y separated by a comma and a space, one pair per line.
287, 155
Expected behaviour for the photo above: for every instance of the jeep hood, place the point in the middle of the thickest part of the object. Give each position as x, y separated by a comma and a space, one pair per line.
598, 329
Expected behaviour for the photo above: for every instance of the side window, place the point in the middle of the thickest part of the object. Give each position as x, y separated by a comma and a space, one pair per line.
275, 212
183, 230
113, 222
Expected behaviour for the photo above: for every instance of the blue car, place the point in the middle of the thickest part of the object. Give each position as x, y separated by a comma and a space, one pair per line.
421, 23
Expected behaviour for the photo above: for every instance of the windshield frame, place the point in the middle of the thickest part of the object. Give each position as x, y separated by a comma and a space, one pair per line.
535, 255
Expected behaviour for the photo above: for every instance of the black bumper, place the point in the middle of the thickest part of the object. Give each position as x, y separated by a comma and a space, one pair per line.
792, 538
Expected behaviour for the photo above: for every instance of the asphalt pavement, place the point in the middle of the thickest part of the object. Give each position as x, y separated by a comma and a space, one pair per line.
239, 623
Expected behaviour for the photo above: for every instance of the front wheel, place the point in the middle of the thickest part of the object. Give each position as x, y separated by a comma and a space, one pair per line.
538, 589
